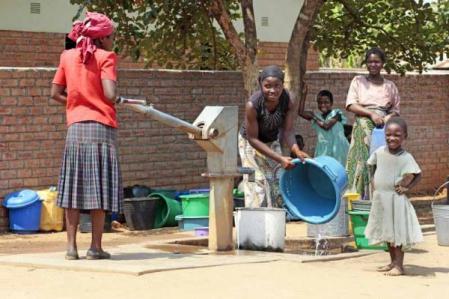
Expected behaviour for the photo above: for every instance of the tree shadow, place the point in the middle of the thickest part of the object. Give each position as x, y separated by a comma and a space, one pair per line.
415, 270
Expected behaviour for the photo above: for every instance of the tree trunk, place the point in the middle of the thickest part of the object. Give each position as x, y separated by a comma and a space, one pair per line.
250, 70
246, 53
298, 47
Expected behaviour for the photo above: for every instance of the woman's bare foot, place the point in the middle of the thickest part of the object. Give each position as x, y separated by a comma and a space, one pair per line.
396, 271
385, 268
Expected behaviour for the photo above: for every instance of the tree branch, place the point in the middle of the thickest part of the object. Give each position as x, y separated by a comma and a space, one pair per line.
250, 28
218, 10
361, 22
298, 47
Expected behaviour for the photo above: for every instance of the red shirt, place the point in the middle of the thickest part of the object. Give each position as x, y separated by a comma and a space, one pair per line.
85, 97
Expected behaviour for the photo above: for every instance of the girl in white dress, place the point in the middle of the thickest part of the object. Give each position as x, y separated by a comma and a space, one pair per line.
392, 218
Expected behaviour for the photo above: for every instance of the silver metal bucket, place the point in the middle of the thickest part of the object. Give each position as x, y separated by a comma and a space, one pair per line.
337, 227
441, 220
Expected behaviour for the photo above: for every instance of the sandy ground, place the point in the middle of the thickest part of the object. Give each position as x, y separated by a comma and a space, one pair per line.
427, 266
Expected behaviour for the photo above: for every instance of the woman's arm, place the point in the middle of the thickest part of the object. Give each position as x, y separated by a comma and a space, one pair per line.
58, 93
390, 115
109, 90
288, 134
361, 111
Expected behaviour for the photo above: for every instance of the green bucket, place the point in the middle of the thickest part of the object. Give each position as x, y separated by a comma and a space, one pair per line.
195, 204
359, 221
166, 209
236, 193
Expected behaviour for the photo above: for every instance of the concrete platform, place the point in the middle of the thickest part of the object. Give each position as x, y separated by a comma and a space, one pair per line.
134, 260
155, 257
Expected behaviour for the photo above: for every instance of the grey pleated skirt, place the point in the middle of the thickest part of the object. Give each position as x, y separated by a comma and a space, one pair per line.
90, 175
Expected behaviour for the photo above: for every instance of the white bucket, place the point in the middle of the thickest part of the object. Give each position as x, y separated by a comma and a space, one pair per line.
441, 220
260, 228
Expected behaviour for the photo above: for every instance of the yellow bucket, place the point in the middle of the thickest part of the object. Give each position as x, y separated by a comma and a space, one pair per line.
52, 216
350, 197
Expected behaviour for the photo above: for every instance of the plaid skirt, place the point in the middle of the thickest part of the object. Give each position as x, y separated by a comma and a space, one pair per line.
90, 175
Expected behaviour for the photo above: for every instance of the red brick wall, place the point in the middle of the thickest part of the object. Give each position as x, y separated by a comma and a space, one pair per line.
32, 128
275, 53
34, 49
28, 49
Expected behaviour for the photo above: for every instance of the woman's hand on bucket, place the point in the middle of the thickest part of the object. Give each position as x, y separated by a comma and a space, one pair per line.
301, 155
287, 163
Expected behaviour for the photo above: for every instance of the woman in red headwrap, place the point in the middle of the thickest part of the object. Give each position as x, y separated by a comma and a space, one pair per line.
85, 83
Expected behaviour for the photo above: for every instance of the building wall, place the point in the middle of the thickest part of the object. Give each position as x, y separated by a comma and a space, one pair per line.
32, 127
274, 19
55, 16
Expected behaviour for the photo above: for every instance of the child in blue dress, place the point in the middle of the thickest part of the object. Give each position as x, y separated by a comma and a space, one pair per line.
328, 124
392, 217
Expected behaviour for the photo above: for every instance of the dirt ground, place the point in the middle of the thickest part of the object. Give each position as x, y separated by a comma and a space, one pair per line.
427, 266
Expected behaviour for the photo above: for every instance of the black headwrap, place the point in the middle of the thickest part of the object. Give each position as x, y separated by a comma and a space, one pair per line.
271, 71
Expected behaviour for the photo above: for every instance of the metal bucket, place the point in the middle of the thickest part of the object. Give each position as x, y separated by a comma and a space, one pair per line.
441, 219
260, 229
337, 227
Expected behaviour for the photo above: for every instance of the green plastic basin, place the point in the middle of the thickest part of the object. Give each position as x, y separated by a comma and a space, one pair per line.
359, 221
195, 204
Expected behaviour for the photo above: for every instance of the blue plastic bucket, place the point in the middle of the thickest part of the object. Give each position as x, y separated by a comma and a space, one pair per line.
312, 190
24, 211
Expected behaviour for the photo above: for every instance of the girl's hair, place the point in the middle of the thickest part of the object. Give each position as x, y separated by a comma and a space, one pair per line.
375, 51
398, 121
325, 93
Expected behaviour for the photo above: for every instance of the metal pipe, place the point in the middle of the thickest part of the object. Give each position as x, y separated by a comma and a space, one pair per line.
162, 117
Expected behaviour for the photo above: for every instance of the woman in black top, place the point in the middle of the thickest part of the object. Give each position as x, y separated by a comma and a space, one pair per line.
269, 118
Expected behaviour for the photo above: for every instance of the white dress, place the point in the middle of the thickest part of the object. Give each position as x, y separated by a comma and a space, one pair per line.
392, 217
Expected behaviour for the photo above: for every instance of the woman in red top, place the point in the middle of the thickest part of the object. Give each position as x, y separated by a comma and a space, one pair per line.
85, 83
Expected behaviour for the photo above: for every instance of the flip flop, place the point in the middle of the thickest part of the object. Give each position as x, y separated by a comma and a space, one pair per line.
72, 255
385, 268
93, 254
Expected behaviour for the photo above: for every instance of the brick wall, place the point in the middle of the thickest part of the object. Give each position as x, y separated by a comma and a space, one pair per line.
20, 48
33, 49
37, 49
275, 53
32, 128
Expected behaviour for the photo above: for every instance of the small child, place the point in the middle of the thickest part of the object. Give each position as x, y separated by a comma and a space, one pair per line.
392, 217
328, 124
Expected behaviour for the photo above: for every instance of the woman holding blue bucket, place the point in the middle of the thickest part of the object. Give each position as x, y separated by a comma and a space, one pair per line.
374, 100
85, 83
269, 116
